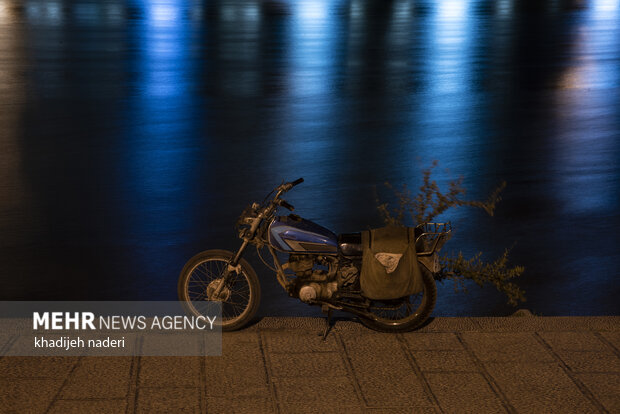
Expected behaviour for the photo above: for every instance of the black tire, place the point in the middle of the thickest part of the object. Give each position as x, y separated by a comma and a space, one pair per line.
241, 297
414, 316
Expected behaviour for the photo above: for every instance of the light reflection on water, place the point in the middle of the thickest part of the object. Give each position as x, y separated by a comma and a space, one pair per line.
157, 149
133, 133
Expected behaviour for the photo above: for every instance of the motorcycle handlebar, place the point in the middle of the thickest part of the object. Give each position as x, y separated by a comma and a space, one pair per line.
285, 187
297, 181
286, 205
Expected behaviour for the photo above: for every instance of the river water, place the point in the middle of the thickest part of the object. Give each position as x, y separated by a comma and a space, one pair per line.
132, 134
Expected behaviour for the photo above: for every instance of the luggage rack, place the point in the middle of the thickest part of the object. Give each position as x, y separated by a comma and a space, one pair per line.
430, 237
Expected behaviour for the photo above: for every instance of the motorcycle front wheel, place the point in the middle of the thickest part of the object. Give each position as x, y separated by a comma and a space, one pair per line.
240, 296
404, 314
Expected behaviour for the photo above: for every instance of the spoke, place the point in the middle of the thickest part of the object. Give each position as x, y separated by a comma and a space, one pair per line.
236, 307
210, 273
243, 301
202, 309
244, 292
200, 283
239, 287
241, 294
198, 297
199, 292
202, 268
196, 275
244, 304
214, 273
220, 266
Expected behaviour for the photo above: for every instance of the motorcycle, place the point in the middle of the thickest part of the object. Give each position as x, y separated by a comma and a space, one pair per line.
323, 269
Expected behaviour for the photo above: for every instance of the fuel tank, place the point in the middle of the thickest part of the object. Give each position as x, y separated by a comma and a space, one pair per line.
293, 234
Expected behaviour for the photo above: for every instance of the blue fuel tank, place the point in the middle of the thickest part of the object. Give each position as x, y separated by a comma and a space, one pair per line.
293, 234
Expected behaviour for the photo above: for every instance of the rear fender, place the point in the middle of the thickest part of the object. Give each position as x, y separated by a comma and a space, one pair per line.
430, 262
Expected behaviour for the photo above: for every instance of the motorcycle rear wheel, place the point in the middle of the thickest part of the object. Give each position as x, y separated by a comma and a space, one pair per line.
240, 298
404, 314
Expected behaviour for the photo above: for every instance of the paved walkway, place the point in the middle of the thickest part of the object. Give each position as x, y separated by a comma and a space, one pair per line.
452, 365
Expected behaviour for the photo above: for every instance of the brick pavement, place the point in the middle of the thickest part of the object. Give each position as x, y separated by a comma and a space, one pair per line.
452, 365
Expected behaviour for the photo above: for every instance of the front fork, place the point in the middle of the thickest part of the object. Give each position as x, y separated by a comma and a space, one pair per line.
233, 266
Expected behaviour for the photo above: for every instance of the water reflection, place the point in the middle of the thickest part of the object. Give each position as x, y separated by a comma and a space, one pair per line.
14, 191
156, 154
581, 98
606, 9
237, 49
133, 132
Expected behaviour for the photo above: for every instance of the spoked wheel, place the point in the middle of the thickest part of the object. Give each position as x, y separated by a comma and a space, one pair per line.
202, 275
404, 314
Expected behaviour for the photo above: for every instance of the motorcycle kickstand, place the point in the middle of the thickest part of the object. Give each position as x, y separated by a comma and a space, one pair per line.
328, 323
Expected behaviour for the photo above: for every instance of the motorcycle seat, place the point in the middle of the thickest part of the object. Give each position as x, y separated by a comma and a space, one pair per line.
350, 244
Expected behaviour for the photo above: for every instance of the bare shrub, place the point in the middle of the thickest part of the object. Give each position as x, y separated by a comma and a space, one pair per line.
428, 203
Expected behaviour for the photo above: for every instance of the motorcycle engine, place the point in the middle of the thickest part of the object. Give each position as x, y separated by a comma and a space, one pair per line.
315, 276
347, 275
313, 291
301, 264
319, 277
